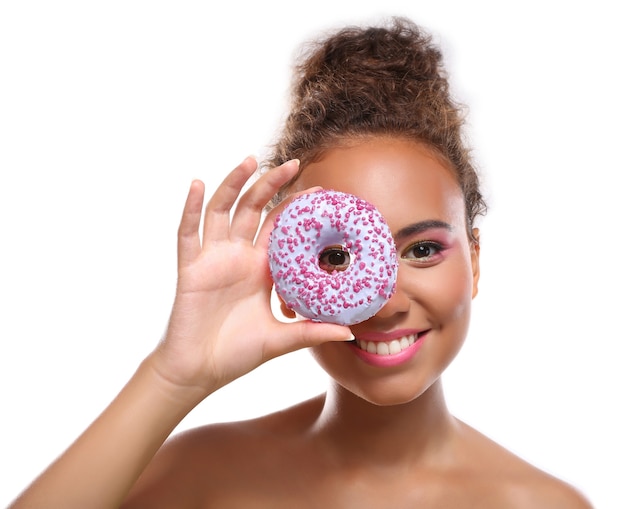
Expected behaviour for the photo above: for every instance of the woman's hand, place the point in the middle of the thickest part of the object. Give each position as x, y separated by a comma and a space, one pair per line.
222, 325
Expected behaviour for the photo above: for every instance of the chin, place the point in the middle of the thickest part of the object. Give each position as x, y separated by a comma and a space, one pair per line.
388, 401
388, 394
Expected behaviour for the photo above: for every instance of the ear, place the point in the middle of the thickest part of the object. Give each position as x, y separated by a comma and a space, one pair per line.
475, 255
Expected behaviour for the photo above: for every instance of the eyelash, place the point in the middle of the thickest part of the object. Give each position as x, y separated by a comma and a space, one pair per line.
428, 244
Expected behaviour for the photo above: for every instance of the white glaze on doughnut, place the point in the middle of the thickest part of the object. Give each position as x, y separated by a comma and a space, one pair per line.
304, 229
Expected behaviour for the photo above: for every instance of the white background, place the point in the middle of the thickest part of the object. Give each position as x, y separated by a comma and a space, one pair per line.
109, 109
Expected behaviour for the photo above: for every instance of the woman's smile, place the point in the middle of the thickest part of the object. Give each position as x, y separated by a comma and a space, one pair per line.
378, 351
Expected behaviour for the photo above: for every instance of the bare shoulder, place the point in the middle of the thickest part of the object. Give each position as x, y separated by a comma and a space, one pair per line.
519, 483
248, 463
194, 467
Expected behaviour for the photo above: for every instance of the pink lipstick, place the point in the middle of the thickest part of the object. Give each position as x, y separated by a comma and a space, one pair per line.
388, 349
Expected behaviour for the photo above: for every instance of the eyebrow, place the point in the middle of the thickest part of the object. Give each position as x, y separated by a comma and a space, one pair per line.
421, 227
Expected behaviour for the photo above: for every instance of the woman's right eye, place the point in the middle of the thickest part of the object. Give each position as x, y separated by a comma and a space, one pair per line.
334, 258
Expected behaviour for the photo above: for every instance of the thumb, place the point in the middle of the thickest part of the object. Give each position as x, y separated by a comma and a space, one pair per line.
306, 333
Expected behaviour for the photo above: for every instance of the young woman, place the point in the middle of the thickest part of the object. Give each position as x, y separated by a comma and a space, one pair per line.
371, 115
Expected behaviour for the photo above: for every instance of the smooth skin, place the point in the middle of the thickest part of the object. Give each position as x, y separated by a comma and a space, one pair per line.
221, 327
380, 436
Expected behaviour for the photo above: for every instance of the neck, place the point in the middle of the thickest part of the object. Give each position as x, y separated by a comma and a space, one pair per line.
372, 434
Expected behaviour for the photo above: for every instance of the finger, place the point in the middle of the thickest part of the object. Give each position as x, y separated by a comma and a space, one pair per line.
188, 230
247, 216
217, 212
263, 236
305, 334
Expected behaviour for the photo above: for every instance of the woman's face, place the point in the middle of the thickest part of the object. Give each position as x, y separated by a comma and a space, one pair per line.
429, 313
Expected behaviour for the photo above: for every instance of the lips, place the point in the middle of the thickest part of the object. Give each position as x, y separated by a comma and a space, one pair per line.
388, 350
392, 347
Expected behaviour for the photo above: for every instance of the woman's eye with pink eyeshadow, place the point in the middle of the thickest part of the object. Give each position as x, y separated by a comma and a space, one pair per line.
423, 252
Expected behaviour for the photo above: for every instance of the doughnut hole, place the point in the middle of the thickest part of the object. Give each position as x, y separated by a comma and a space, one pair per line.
334, 258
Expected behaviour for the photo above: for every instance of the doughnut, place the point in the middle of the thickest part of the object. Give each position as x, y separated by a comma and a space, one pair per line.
332, 258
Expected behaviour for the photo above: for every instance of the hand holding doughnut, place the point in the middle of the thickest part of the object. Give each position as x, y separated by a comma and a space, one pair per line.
332, 258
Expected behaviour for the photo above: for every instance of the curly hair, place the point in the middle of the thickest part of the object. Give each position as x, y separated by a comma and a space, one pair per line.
384, 80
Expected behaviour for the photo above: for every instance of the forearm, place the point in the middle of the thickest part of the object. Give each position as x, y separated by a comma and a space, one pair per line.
221, 327
98, 470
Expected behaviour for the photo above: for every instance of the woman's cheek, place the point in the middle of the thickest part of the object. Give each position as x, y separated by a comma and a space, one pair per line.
450, 287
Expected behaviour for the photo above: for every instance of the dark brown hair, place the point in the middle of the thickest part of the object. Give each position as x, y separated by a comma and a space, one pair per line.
370, 81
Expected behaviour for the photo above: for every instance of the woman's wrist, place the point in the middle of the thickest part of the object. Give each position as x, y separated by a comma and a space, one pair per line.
176, 390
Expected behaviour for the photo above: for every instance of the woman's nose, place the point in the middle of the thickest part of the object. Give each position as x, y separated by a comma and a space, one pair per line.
398, 303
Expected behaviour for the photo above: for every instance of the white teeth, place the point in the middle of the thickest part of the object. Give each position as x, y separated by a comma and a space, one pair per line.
387, 347
382, 348
394, 347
